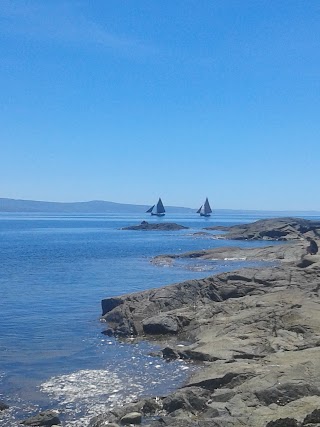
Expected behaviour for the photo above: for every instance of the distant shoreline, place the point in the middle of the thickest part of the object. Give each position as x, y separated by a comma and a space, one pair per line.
8, 205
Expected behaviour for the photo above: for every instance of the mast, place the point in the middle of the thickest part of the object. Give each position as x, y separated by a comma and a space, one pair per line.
160, 207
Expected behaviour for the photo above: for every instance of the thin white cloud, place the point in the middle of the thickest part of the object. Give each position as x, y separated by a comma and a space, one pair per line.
63, 22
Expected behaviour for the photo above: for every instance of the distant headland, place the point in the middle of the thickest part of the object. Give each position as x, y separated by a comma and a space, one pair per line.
107, 207
93, 206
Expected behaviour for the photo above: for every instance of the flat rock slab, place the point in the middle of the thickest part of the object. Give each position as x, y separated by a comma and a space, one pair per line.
286, 252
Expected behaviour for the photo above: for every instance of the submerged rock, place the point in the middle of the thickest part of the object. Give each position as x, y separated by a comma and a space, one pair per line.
3, 406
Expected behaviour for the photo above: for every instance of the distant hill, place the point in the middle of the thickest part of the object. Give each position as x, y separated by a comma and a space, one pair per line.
94, 206
101, 206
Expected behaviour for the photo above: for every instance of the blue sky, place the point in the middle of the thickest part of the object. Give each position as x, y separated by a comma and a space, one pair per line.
131, 100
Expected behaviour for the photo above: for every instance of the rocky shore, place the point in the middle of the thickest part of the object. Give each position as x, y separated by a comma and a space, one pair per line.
272, 229
255, 333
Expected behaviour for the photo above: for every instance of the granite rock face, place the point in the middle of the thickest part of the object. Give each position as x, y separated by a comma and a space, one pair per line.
255, 331
272, 229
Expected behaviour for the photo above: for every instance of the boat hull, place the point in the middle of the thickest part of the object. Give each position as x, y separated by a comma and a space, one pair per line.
203, 214
157, 214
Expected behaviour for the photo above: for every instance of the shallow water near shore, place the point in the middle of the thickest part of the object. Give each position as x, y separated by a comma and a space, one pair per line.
55, 271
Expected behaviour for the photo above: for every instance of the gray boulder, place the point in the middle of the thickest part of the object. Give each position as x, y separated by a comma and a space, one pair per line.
45, 418
283, 422
191, 399
164, 324
131, 418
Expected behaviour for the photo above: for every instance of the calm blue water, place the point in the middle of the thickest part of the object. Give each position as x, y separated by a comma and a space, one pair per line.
54, 272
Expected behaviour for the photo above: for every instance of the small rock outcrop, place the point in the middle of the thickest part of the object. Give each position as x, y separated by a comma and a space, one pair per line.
158, 226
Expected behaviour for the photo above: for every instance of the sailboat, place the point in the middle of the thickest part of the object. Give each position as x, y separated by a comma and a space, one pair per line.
159, 211
205, 209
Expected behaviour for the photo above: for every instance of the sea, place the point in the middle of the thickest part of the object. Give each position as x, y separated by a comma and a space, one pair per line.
55, 270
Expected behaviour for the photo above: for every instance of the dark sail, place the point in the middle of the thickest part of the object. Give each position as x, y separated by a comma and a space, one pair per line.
207, 208
160, 207
150, 210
